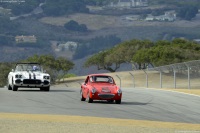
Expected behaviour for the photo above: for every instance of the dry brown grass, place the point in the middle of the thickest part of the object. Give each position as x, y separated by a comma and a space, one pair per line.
93, 22
14, 123
97, 22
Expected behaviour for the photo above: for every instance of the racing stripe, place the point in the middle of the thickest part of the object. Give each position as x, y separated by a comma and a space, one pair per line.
34, 76
29, 75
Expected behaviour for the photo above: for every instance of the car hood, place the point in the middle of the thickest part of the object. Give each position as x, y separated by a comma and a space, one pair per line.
32, 75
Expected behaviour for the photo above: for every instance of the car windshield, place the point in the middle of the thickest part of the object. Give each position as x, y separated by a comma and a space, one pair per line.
106, 79
28, 67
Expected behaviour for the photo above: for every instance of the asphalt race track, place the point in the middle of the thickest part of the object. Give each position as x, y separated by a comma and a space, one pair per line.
137, 104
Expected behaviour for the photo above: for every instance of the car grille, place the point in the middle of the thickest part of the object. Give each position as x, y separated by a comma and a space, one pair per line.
106, 96
31, 81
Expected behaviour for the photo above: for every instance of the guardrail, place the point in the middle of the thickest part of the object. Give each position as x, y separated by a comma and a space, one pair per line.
178, 76
189, 71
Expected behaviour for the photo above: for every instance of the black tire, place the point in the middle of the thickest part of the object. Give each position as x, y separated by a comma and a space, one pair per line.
90, 100
118, 101
82, 98
9, 87
45, 88
14, 88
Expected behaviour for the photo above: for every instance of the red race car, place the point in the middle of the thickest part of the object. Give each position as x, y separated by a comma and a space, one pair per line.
100, 87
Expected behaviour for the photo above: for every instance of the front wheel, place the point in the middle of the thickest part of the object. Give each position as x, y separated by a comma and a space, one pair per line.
14, 88
45, 88
9, 87
118, 101
82, 98
90, 100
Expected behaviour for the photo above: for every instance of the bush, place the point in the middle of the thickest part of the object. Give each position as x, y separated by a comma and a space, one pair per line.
74, 26
5, 69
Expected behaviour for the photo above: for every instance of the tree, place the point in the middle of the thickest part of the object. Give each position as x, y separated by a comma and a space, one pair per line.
5, 69
83, 28
63, 65
187, 12
165, 53
142, 53
99, 60
74, 26
122, 53
125, 51
141, 59
71, 25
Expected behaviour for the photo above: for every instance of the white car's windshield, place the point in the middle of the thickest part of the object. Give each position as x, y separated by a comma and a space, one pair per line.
28, 67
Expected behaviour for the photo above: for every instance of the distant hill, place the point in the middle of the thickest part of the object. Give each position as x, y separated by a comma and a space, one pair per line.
49, 25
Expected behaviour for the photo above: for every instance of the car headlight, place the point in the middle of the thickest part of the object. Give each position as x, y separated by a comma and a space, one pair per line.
46, 77
93, 90
18, 76
119, 91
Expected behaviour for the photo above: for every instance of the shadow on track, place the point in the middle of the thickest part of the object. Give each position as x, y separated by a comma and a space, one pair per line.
62, 91
123, 103
135, 103
47, 91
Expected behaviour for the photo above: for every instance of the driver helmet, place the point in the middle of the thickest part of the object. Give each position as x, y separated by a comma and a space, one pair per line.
35, 68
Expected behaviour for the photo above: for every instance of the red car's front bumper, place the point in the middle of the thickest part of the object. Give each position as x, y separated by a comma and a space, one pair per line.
105, 96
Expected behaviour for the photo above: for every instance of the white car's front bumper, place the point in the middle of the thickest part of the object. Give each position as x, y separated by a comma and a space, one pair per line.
32, 83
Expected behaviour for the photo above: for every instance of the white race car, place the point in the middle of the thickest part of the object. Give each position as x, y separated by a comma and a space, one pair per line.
28, 75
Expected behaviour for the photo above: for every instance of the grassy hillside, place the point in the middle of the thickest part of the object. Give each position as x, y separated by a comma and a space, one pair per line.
52, 28
103, 24
93, 22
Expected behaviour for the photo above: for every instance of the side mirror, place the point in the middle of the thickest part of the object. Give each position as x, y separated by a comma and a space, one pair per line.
12, 70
